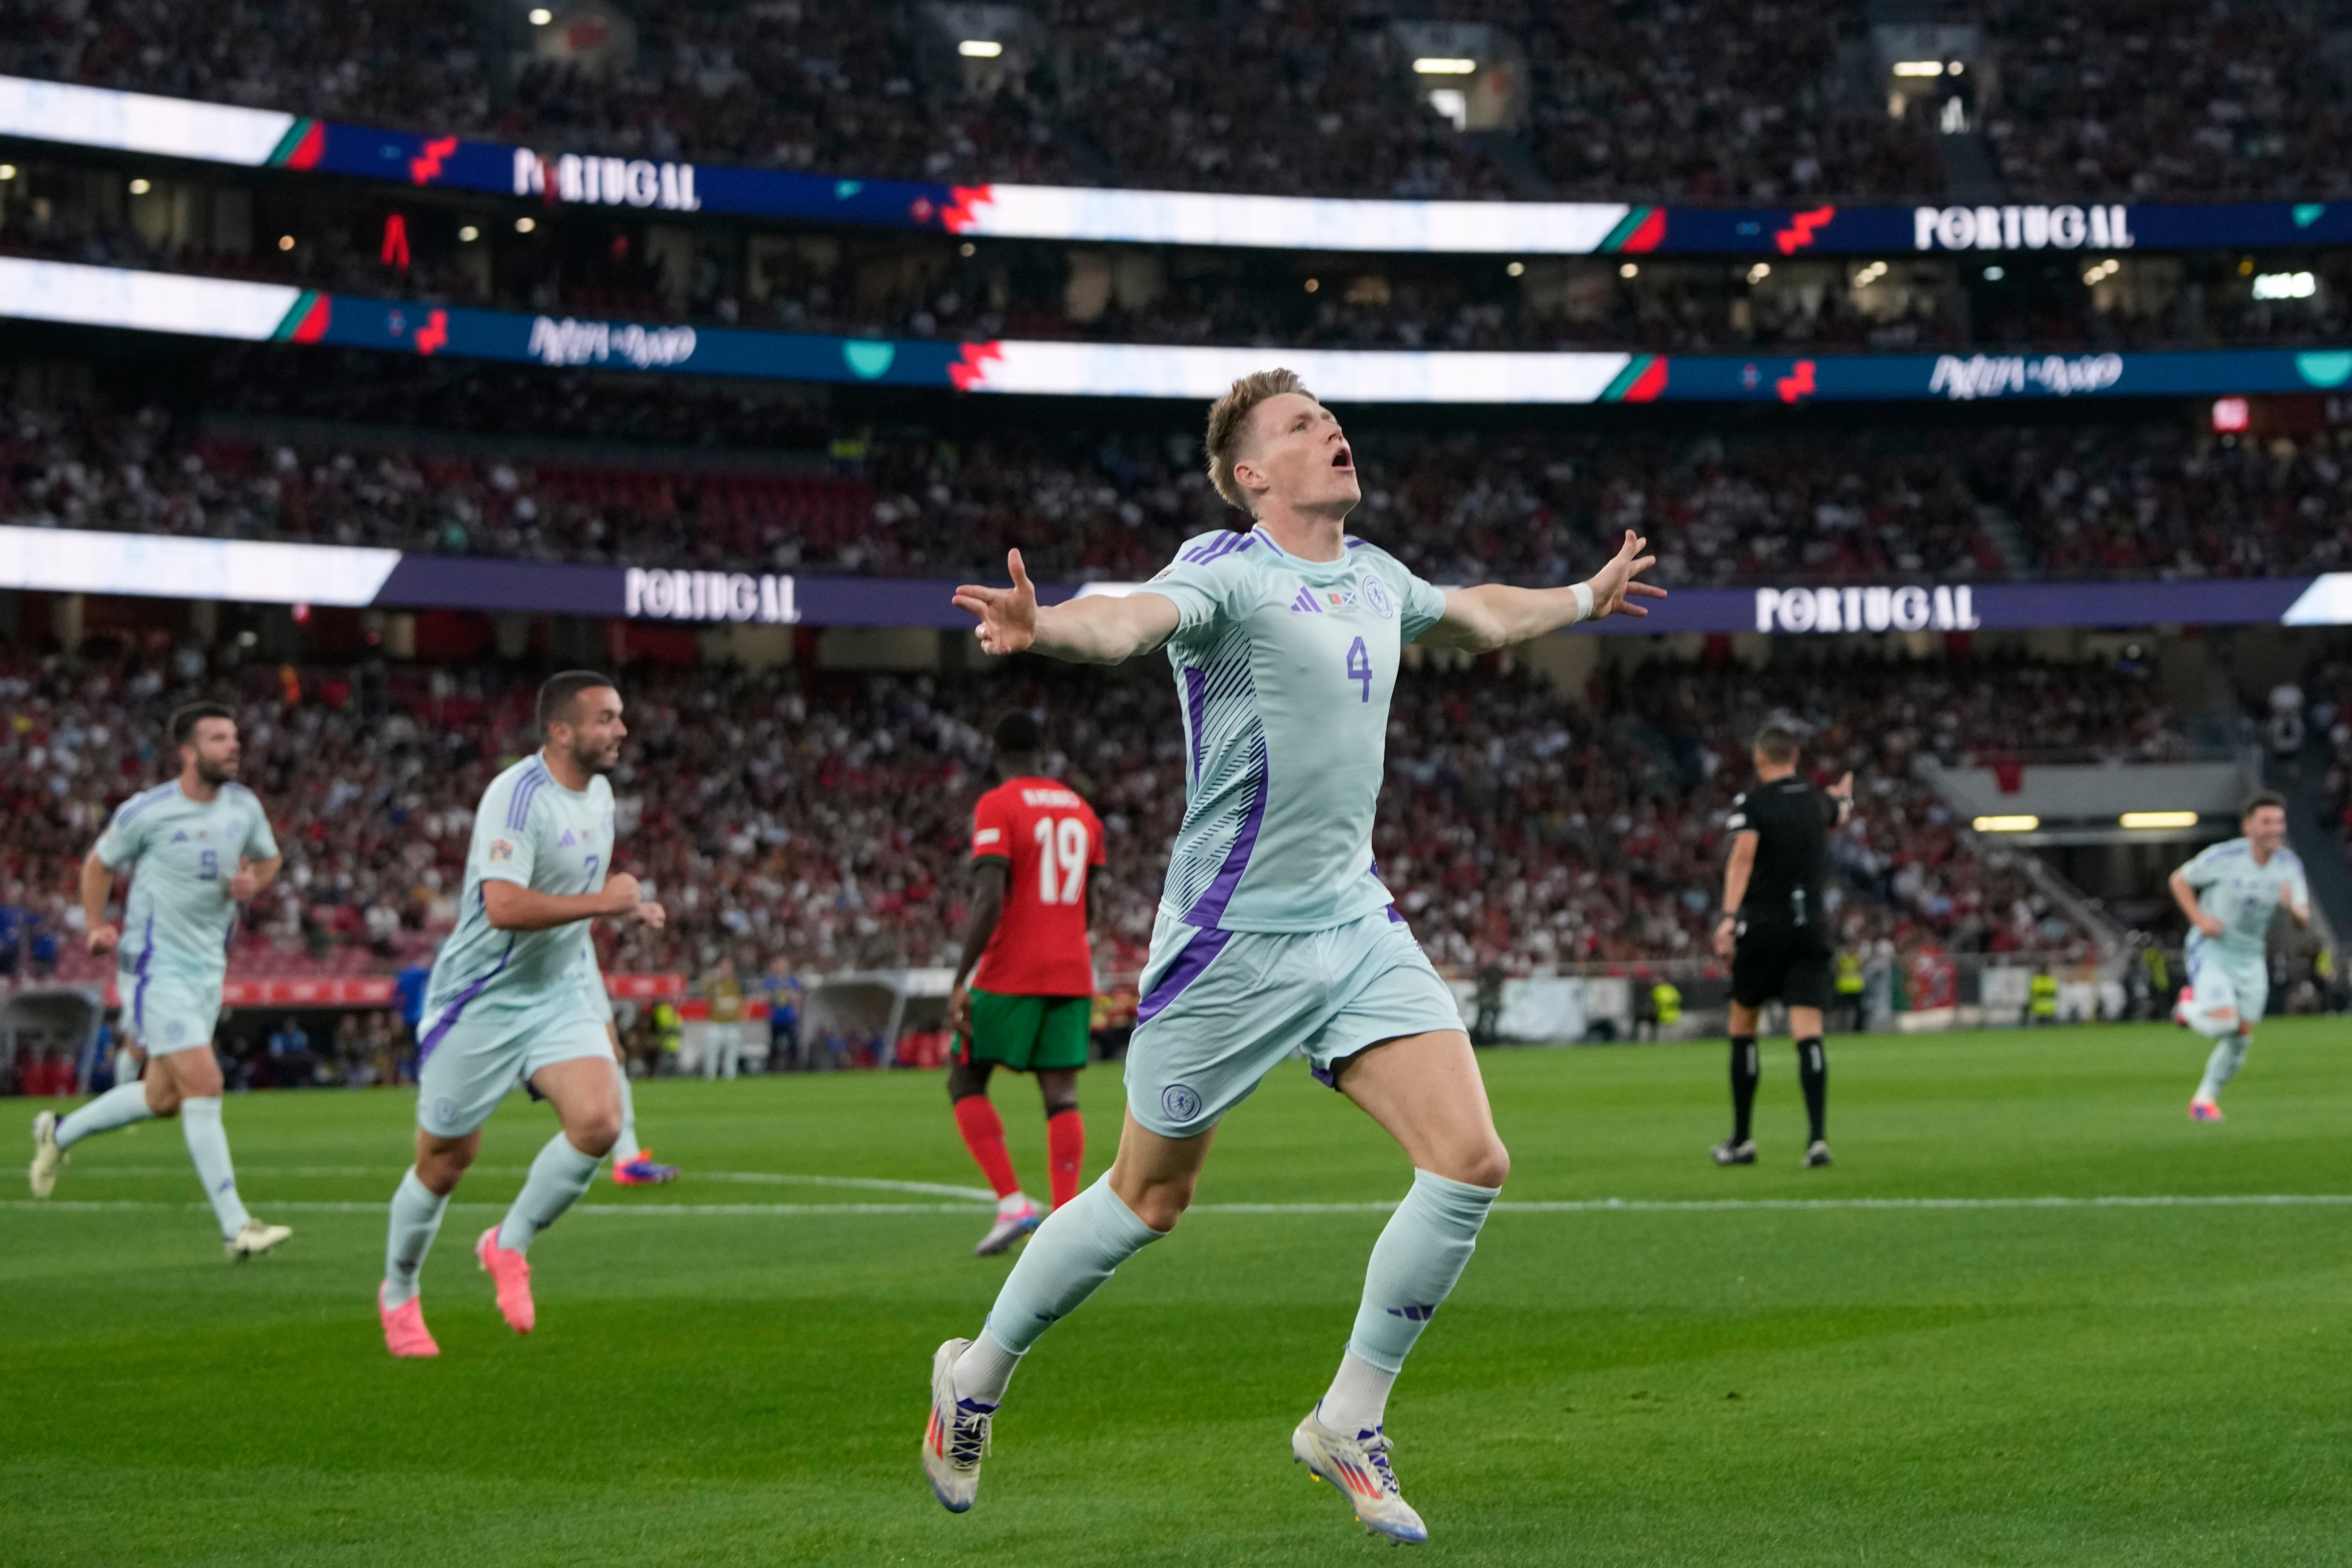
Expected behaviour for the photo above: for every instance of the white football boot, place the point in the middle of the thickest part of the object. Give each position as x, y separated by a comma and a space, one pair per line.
1360, 1467
956, 1438
1008, 1229
46, 1155
253, 1239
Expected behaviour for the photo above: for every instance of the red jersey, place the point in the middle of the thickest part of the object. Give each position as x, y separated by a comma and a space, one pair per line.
1048, 838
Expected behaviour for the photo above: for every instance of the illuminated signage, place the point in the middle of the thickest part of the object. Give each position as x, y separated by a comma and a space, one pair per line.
2021, 228
1905, 610
737, 597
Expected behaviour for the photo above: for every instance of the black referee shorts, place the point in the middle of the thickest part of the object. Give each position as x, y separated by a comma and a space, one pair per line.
1791, 964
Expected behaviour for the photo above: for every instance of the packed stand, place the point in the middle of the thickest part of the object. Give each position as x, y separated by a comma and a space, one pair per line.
2085, 502
2187, 100
1516, 506
1698, 103
1718, 104
2140, 501
822, 819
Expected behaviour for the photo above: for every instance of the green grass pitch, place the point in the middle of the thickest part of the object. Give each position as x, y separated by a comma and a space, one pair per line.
1967, 1384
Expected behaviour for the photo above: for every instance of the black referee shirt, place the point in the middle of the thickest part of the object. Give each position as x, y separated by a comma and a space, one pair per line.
1791, 820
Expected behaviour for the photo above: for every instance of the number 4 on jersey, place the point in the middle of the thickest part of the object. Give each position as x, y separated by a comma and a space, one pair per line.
1360, 667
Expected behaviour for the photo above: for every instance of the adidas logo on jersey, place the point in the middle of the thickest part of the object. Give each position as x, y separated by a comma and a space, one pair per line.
181, 837
1306, 604
566, 841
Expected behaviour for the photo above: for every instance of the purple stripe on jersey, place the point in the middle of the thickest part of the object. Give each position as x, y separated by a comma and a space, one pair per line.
1198, 955
1196, 712
139, 992
448, 1019
1396, 916
518, 810
1212, 906
139, 802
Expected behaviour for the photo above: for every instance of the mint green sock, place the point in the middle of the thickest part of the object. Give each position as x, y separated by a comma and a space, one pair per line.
1420, 1253
1064, 1262
626, 1148
417, 1212
200, 1124
118, 1107
558, 1178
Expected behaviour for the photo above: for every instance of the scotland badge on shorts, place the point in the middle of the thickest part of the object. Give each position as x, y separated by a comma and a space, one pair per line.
1179, 1102
1374, 594
175, 1033
444, 1111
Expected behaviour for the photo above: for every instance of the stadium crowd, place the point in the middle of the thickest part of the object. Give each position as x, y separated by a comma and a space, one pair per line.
1726, 101
2069, 501
821, 819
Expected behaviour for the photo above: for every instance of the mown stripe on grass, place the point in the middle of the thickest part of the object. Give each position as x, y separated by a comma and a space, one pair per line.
1577, 1205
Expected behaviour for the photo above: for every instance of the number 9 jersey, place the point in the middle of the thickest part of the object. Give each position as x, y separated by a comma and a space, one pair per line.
1048, 838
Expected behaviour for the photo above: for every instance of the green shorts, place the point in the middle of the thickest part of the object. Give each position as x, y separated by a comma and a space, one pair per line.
1221, 1009
169, 1014
1028, 1034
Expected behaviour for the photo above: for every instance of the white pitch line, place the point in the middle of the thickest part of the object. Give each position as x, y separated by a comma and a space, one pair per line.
1591, 1206
763, 1178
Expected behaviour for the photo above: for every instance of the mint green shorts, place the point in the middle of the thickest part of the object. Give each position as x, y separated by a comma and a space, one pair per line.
1221, 1008
169, 1014
473, 1062
2240, 982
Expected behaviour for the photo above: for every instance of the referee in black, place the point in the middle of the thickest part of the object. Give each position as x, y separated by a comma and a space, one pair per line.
1771, 930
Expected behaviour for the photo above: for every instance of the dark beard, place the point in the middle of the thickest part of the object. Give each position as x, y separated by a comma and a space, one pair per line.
215, 773
591, 763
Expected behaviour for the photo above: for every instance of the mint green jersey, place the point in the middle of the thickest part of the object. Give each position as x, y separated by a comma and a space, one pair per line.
2241, 895
531, 831
179, 854
1284, 667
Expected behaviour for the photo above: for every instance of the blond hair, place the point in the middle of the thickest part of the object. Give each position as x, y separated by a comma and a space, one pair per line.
1229, 416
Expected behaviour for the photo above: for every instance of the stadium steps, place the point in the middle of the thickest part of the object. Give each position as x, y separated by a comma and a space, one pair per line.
1970, 172
1997, 524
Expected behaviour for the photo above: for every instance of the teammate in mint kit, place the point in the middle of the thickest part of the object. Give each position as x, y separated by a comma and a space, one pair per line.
193, 848
2231, 892
1275, 935
510, 996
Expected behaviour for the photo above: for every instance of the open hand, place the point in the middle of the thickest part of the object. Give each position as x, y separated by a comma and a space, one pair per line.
1613, 585
1008, 616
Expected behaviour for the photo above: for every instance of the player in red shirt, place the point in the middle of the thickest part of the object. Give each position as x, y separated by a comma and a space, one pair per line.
1036, 847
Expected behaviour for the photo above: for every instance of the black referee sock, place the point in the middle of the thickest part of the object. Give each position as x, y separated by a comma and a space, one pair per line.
1745, 1072
1813, 1071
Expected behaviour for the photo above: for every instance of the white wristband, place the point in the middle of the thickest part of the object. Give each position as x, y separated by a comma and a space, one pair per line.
1583, 592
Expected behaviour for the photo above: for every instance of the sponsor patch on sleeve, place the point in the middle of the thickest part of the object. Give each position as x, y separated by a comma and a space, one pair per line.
501, 850
986, 836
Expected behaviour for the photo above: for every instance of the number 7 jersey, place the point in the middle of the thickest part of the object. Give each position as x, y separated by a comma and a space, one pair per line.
1283, 671
1048, 838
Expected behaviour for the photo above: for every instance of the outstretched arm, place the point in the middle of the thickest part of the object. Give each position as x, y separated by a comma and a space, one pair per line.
1493, 615
1101, 629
